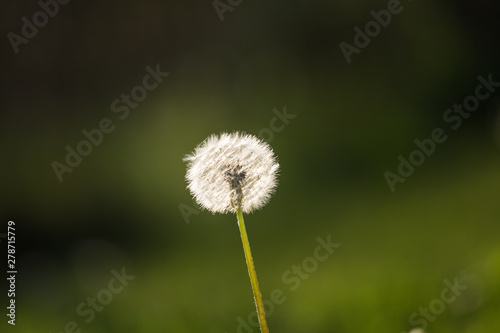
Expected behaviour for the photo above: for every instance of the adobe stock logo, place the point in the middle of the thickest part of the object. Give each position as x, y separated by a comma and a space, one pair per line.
293, 278
276, 124
87, 309
372, 29
221, 7
95, 136
437, 306
40, 19
427, 146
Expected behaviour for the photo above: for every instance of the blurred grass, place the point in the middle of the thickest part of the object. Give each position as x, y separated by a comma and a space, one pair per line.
119, 208
397, 248
396, 251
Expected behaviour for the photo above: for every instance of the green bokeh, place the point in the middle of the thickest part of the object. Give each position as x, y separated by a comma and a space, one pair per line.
121, 207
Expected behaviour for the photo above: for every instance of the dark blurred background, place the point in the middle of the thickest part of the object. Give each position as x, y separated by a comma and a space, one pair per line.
125, 206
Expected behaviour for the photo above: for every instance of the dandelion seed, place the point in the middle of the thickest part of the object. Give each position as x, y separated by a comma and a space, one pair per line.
230, 170
234, 172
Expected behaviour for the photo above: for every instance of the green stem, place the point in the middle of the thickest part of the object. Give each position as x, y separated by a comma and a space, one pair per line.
253, 275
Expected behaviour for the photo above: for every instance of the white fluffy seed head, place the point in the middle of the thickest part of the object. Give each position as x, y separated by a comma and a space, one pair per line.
232, 169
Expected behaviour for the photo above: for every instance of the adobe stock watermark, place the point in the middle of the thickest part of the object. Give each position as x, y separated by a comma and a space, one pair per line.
292, 278
277, 123
88, 308
187, 211
120, 106
421, 319
221, 7
454, 117
29, 28
372, 29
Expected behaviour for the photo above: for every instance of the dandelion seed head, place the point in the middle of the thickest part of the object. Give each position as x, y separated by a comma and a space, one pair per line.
232, 169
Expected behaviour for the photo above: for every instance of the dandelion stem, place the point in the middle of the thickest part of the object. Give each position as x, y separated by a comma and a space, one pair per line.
253, 275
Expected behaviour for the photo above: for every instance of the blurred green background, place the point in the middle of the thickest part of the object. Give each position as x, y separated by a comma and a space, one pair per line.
122, 206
